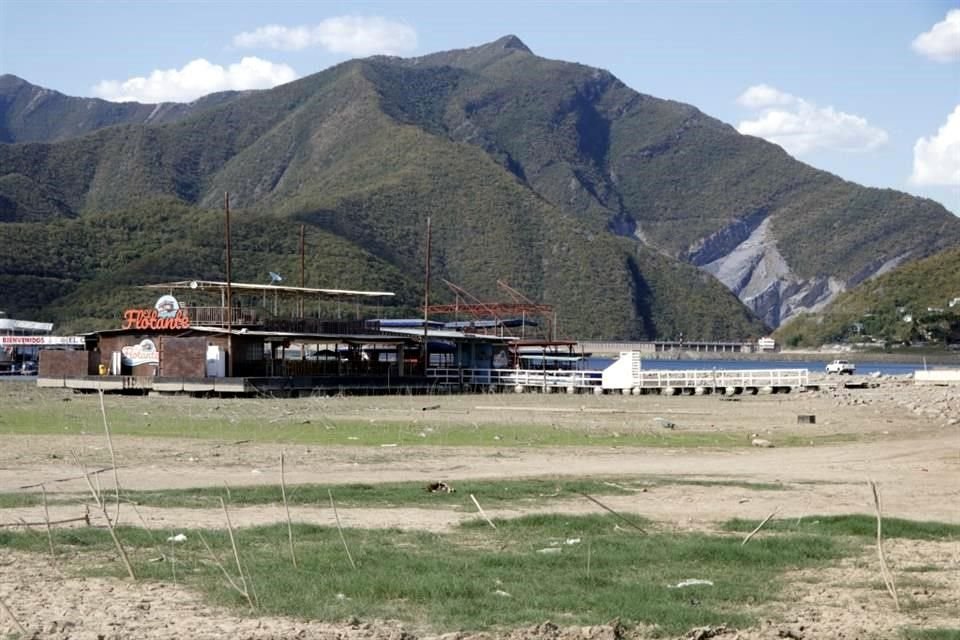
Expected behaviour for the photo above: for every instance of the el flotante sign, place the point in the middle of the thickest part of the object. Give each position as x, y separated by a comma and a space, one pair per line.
166, 314
143, 353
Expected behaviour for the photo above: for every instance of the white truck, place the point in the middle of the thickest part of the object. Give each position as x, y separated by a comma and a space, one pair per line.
841, 367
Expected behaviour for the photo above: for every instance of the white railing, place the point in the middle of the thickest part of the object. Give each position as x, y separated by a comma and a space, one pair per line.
759, 378
513, 377
641, 378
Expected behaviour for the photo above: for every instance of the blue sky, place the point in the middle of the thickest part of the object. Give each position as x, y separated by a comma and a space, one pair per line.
869, 91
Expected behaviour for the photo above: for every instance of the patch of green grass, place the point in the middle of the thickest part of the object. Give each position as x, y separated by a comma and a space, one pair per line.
931, 634
854, 525
379, 422
351, 432
385, 495
374, 433
400, 494
702, 482
14, 500
479, 578
800, 440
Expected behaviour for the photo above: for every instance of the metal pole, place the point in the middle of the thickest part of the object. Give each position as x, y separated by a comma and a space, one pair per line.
426, 303
226, 207
302, 280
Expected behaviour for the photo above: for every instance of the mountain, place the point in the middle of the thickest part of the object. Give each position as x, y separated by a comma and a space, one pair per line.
554, 176
29, 113
919, 301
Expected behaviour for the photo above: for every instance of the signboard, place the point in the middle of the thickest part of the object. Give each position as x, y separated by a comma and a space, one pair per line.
166, 314
41, 341
143, 353
9, 324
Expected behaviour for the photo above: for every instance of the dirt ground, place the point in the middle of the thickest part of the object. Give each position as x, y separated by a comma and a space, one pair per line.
905, 438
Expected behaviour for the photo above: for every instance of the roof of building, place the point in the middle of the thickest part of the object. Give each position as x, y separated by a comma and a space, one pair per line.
270, 336
9, 324
447, 334
199, 285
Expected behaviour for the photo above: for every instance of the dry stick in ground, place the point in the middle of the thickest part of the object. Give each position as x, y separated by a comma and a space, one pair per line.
223, 569
588, 559
884, 569
23, 523
113, 458
6, 609
103, 509
46, 519
340, 530
759, 526
156, 544
173, 557
283, 492
605, 507
482, 513
236, 554
70, 479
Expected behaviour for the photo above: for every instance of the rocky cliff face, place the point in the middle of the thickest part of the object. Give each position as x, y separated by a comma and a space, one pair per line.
745, 258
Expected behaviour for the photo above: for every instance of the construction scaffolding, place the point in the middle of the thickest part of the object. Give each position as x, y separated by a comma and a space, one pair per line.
502, 317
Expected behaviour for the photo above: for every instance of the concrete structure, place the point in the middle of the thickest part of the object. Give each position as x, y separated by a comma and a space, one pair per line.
937, 377
677, 346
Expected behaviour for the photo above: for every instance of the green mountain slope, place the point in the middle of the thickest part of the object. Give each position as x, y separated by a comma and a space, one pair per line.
911, 303
29, 113
554, 176
673, 178
487, 224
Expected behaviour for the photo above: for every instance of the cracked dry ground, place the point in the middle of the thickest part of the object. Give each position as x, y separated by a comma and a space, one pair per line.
906, 439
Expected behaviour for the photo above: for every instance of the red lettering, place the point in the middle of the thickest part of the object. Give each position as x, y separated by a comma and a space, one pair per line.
130, 318
144, 319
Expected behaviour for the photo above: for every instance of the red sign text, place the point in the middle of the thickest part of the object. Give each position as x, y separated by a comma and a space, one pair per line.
142, 319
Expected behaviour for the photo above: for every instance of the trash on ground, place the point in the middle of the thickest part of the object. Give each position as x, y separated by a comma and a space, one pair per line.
691, 582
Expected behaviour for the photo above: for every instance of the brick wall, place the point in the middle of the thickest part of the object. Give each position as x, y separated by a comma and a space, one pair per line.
183, 357
58, 364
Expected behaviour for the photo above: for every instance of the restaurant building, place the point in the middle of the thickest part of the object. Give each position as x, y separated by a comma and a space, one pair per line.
208, 337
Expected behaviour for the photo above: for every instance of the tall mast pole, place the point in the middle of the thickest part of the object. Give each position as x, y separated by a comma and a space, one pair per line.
426, 302
226, 209
302, 280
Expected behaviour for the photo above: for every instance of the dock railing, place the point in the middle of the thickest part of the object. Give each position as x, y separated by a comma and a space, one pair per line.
551, 378
643, 379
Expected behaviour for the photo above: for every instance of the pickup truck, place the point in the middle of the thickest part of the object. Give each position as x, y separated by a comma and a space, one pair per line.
841, 367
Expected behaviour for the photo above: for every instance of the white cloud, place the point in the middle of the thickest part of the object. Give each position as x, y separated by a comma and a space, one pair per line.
936, 160
942, 42
353, 35
800, 126
197, 78
760, 96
